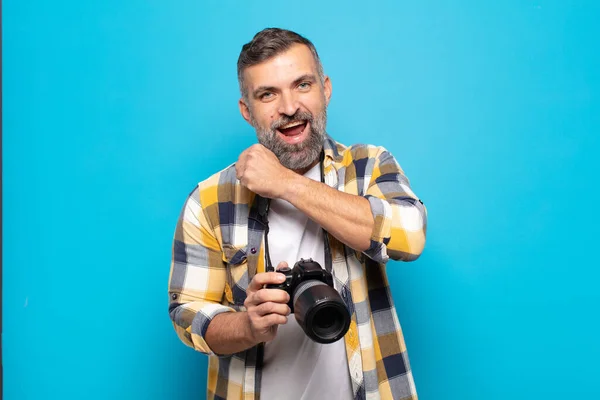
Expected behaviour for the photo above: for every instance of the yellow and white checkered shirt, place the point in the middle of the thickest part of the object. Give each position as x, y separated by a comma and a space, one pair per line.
218, 247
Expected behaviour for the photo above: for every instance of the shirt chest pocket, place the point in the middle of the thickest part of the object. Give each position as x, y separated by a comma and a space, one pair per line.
236, 262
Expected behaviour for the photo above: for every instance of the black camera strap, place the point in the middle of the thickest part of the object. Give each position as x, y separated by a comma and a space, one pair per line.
263, 212
328, 261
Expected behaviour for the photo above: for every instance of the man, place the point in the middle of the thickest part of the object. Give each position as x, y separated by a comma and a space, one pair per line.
349, 208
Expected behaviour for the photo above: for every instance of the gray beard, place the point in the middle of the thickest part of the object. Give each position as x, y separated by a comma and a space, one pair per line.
294, 156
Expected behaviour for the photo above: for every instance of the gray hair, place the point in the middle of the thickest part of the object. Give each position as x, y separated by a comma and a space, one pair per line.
267, 44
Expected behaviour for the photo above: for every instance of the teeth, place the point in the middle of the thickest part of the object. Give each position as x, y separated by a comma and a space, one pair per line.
292, 124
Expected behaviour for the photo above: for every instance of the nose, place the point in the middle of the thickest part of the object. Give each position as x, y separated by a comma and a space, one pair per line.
289, 104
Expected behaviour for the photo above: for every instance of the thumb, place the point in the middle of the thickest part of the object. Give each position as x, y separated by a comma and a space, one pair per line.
281, 265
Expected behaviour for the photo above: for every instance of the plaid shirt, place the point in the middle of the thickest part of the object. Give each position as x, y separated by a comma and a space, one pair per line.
218, 247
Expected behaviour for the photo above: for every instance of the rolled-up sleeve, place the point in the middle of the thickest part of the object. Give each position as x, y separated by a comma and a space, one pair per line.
400, 216
197, 276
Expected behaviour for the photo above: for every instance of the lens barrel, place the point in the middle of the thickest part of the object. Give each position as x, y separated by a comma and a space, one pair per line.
320, 311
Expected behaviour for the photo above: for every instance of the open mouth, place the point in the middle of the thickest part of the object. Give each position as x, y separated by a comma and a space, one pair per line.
293, 129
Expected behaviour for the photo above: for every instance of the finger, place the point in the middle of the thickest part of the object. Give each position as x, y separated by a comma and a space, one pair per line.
240, 165
273, 295
272, 308
239, 169
262, 148
250, 153
282, 264
265, 278
273, 320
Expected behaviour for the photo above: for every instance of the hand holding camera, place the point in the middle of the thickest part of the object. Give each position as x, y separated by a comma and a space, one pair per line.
317, 306
307, 291
267, 308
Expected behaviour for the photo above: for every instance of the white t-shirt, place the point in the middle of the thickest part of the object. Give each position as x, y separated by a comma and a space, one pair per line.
295, 367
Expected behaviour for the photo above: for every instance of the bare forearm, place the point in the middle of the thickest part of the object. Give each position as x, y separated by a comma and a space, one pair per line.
345, 216
229, 333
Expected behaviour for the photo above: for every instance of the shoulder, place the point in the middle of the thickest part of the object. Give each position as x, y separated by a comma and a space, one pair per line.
217, 197
223, 177
359, 152
214, 189
221, 187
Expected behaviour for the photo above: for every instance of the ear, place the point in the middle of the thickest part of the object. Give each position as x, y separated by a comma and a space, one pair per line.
244, 110
327, 89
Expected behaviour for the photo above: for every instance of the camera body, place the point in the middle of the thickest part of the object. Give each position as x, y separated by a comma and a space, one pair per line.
304, 270
316, 305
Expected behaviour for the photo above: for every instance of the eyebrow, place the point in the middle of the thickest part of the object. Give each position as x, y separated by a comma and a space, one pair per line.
306, 77
303, 78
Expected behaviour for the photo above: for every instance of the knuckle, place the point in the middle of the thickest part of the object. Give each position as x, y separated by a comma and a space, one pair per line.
247, 302
259, 296
264, 309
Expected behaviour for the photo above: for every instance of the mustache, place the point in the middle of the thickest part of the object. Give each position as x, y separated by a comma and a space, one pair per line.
298, 116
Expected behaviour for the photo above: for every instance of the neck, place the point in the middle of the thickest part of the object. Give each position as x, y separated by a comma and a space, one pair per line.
306, 169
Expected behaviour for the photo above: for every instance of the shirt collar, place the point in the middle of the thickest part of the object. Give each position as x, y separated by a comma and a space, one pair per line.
331, 150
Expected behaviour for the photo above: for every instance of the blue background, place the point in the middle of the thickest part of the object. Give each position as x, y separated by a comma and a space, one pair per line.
113, 110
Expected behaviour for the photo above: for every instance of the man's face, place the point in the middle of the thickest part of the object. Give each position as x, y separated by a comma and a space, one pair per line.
286, 104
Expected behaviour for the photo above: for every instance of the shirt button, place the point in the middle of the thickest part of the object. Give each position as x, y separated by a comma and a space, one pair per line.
253, 250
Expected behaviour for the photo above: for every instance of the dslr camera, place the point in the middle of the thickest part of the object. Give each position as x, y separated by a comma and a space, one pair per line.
317, 306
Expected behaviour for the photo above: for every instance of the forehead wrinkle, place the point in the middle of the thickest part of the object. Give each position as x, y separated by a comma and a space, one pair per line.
297, 58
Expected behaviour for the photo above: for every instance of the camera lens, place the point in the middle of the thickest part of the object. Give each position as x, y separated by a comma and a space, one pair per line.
325, 319
328, 322
320, 311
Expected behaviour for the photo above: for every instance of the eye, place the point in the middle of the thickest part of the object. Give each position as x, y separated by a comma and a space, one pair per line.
266, 95
304, 86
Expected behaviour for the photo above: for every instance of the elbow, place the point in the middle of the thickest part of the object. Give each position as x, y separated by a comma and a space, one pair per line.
417, 244
407, 239
409, 248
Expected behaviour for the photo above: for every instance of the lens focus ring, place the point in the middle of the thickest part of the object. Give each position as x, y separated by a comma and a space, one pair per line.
305, 286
